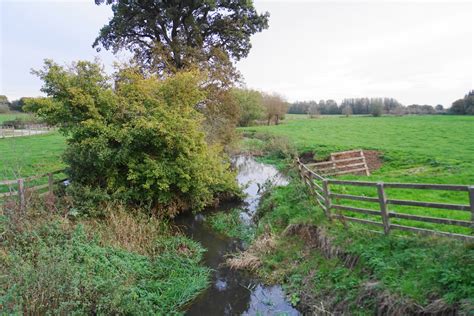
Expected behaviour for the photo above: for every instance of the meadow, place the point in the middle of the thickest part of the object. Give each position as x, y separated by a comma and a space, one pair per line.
409, 271
30, 155
413, 149
11, 116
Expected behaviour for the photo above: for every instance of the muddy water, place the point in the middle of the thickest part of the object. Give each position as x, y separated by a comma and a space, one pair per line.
234, 292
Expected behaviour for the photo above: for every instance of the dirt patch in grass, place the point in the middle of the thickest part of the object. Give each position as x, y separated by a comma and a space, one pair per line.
372, 157
307, 157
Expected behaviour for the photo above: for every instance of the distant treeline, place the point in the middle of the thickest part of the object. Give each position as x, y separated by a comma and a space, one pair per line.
15, 105
379, 106
465, 105
373, 106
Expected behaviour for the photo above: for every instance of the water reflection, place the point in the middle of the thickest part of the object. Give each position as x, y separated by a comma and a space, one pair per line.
236, 292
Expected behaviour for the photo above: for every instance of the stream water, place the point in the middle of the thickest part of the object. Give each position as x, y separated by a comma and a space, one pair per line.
235, 292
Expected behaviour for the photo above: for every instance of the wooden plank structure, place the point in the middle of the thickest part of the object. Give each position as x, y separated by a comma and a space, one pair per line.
320, 188
19, 187
344, 162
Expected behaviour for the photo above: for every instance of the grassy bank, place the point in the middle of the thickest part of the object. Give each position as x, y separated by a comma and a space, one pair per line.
122, 264
327, 267
344, 268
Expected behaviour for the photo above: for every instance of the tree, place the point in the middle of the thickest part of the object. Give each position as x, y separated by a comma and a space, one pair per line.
166, 37
314, 111
458, 107
17, 105
347, 111
250, 104
139, 141
376, 107
275, 107
439, 108
4, 104
173, 35
301, 107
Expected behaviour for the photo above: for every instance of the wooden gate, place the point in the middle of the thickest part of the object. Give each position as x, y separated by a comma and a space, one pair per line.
343, 162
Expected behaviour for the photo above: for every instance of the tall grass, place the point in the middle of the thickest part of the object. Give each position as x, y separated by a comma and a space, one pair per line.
123, 264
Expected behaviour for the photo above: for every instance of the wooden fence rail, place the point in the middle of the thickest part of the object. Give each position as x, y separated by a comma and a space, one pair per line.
325, 199
22, 186
29, 130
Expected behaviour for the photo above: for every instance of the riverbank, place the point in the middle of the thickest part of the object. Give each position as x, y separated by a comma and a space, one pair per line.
123, 263
333, 267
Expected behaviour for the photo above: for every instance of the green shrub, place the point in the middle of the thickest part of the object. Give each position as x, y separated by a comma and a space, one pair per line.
140, 141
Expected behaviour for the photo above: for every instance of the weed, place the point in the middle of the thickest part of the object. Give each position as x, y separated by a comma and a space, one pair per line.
231, 225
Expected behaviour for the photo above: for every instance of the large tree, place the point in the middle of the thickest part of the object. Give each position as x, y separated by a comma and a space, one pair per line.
275, 107
169, 35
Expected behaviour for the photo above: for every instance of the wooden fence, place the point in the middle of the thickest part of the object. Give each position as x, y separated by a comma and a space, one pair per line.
325, 198
343, 162
19, 187
29, 130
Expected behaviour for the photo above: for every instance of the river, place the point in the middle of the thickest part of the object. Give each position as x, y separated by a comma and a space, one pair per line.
234, 292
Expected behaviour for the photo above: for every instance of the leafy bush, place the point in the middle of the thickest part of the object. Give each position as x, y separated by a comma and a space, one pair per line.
140, 141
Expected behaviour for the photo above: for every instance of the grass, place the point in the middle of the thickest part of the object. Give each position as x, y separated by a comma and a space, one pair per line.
230, 224
410, 139
413, 271
30, 155
13, 115
49, 264
416, 149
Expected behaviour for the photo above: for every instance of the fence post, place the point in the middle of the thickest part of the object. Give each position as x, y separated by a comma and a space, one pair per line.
50, 182
367, 172
383, 208
21, 194
471, 203
327, 201
333, 162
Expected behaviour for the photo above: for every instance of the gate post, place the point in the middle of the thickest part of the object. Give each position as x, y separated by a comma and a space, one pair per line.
21, 194
383, 208
471, 204
327, 201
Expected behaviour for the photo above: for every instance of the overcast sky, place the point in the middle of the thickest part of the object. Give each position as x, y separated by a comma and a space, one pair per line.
417, 52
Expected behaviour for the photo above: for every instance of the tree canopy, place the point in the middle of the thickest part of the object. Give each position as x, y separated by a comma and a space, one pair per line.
4, 104
250, 104
174, 34
275, 107
464, 106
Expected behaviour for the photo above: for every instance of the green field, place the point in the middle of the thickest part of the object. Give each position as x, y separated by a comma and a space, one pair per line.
30, 155
416, 149
13, 115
